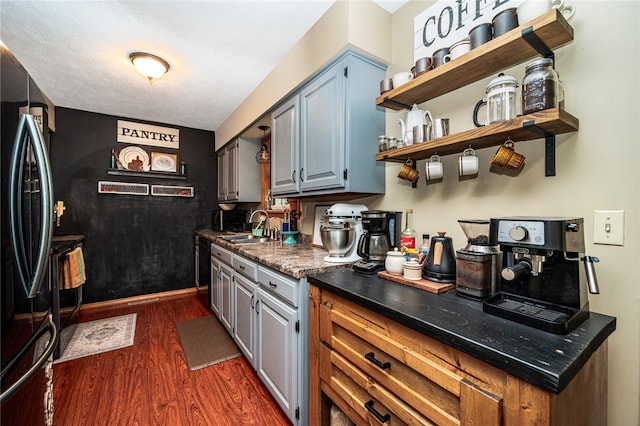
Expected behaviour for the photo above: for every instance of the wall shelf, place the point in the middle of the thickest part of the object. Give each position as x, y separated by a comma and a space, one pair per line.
129, 173
527, 127
508, 50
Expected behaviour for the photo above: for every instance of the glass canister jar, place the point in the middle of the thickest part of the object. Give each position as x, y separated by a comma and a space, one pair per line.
539, 86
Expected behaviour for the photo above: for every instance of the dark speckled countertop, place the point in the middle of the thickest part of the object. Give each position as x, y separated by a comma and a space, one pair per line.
544, 359
295, 260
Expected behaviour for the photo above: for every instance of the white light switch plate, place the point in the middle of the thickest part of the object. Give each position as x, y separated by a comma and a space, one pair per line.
608, 227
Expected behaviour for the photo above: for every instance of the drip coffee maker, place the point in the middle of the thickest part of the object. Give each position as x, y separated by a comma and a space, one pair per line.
340, 228
380, 233
542, 282
478, 263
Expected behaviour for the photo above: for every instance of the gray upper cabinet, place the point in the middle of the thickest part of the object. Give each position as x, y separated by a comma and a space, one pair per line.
239, 172
284, 153
324, 138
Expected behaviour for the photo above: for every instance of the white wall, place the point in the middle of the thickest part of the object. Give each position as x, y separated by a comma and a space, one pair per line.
597, 168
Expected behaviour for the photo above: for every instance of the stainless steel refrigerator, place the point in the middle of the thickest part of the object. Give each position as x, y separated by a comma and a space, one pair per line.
29, 335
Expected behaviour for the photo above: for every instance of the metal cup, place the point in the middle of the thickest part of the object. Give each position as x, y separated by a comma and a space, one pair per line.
408, 172
421, 133
440, 128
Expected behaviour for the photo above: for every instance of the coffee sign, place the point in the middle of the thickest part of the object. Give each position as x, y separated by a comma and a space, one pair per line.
449, 21
146, 134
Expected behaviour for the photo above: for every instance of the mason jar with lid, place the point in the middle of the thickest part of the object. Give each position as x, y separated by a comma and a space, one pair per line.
382, 143
539, 86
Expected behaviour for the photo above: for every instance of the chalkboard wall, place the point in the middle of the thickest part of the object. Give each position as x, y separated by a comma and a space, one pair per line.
135, 245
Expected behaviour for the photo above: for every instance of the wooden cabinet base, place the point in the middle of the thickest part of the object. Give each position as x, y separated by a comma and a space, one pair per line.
375, 369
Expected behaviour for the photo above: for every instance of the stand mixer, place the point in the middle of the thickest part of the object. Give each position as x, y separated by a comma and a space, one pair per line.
542, 282
340, 228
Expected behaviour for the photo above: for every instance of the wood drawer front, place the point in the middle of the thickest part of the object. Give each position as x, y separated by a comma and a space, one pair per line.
245, 267
279, 284
438, 389
221, 254
357, 390
418, 390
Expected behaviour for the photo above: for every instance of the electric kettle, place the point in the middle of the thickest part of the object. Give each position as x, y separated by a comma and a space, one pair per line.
415, 117
440, 265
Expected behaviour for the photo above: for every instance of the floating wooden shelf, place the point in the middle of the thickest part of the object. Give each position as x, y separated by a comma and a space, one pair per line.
508, 50
527, 127
166, 175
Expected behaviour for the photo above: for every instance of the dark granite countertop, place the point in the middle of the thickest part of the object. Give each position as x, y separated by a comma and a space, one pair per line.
544, 359
296, 260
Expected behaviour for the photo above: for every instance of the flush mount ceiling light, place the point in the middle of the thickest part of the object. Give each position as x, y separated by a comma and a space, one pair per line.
150, 66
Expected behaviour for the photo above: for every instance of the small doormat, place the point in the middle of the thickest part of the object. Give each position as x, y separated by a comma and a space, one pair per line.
205, 342
94, 337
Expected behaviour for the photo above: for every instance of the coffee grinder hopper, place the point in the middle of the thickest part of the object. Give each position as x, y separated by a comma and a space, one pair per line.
477, 232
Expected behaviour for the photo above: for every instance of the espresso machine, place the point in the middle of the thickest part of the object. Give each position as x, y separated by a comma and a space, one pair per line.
545, 274
380, 233
478, 263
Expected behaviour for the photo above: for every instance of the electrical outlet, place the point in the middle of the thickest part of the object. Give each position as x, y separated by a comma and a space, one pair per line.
608, 227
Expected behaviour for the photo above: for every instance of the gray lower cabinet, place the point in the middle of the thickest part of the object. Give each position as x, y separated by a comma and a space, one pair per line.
221, 291
282, 341
244, 301
324, 137
266, 313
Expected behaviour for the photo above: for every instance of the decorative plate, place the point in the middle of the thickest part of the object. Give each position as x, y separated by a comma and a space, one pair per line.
163, 162
134, 158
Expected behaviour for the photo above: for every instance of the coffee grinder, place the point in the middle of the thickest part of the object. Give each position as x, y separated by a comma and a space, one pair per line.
380, 233
478, 263
543, 283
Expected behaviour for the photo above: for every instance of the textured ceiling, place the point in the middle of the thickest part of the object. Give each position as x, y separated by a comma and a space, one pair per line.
219, 51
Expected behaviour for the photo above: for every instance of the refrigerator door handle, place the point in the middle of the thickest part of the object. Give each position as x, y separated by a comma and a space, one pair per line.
47, 326
28, 128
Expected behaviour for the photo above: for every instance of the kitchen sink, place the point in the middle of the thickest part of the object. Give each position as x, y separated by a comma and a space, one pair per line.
245, 239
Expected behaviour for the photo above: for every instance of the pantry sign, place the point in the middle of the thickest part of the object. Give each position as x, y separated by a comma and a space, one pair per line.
449, 21
146, 134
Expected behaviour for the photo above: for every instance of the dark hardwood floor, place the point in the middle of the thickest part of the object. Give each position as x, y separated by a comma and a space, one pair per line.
149, 383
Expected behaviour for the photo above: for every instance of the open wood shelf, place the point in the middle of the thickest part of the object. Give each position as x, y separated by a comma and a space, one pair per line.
527, 127
162, 175
508, 50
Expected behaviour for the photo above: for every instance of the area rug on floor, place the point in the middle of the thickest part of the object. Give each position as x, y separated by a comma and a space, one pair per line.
205, 342
94, 337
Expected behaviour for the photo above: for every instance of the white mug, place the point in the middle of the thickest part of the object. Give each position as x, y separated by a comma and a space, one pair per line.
468, 163
434, 168
401, 78
458, 49
531, 9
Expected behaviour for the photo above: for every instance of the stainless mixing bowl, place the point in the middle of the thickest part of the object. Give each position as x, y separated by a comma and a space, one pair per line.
337, 240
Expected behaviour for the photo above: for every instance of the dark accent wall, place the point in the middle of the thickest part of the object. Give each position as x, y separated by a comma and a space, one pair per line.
135, 244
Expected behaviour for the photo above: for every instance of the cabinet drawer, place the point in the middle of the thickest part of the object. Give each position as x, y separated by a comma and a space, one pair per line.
416, 370
366, 397
279, 284
221, 254
246, 267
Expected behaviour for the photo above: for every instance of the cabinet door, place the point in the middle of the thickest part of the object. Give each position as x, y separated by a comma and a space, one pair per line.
215, 286
222, 180
244, 322
284, 148
226, 302
277, 349
231, 171
322, 134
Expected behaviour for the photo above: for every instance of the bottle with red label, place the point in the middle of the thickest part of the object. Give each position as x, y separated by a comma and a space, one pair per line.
409, 236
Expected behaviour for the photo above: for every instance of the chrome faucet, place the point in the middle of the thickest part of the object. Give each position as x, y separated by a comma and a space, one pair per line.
266, 225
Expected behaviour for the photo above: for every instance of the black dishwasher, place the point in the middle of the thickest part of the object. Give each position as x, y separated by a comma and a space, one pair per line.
203, 273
